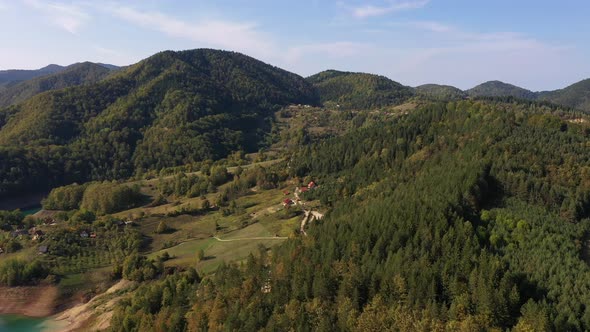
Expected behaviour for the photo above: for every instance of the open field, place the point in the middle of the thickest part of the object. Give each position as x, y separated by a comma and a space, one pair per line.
238, 245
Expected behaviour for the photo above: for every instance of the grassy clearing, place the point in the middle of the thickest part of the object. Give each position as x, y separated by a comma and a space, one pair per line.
257, 217
216, 252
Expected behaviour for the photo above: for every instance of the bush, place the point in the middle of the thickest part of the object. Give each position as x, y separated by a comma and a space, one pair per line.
105, 198
16, 272
64, 198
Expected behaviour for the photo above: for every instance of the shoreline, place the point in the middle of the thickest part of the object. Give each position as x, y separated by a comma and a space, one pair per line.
29, 301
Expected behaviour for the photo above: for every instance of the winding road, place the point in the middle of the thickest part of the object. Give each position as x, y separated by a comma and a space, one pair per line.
252, 238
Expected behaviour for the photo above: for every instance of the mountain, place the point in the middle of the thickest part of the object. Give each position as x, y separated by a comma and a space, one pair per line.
500, 89
576, 96
171, 109
440, 92
358, 90
76, 74
13, 75
108, 66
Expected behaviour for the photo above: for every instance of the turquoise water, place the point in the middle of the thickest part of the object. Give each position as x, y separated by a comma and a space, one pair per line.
31, 210
16, 323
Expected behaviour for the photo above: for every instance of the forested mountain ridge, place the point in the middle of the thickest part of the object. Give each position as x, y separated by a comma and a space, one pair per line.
500, 89
15, 75
440, 92
170, 109
348, 90
76, 74
576, 95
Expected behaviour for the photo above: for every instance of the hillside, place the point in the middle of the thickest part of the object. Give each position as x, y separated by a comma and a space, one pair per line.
15, 75
500, 89
576, 96
458, 216
171, 109
358, 90
440, 92
446, 215
76, 74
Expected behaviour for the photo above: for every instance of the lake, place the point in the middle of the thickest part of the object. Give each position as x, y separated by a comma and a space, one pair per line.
31, 210
16, 323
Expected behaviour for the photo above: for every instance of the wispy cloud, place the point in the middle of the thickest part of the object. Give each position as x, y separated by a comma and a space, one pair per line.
243, 37
330, 49
106, 51
66, 16
431, 26
388, 8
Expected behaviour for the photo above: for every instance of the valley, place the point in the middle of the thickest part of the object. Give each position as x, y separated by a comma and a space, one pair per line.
207, 190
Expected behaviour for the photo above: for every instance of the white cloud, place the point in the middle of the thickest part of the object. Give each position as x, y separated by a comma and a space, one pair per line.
333, 50
106, 51
391, 7
431, 26
243, 37
66, 16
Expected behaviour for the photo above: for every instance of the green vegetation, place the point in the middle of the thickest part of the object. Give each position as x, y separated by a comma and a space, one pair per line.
106, 198
65, 198
358, 90
77, 74
440, 92
15, 75
500, 89
438, 212
576, 96
407, 240
174, 108
15, 272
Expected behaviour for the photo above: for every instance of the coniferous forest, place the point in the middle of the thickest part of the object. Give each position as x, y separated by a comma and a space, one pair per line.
441, 212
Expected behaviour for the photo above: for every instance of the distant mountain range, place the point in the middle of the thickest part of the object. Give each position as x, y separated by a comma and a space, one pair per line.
347, 90
15, 75
62, 77
576, 96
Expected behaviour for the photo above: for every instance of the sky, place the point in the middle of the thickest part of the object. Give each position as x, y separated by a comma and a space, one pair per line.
536, 44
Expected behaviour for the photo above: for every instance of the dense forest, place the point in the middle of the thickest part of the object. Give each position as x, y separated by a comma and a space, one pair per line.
358, 90
11, 76
76, 74
440, 92
171, 109
446, 213
437, 222
500, 89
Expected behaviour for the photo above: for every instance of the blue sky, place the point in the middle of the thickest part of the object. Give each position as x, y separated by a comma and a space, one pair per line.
537, 44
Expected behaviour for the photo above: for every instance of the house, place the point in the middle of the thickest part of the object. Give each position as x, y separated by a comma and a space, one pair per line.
38, 235
43, 249
288, 202
49, 221
19, 232
129, 222
266, 288
304, 189
84, 234
1, 251
311, 185
93, 235
286, 192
